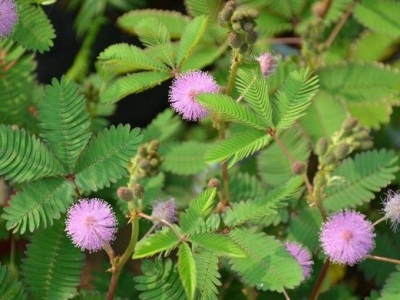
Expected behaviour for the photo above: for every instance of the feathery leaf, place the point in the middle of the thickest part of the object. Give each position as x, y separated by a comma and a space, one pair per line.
207, 275
187, 270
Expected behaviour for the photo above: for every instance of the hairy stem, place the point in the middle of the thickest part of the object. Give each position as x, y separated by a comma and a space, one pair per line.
320, 280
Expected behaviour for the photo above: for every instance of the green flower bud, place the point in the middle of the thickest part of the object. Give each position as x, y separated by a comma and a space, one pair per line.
365, 145
362, 135
235, 40
251, 37
144, 164
322, 146
252, 13
237, 16
349, 124
236, 26
154, 162
342, 150
244, 48
330, 159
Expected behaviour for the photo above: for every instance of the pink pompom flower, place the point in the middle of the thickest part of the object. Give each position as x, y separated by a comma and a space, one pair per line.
391, 209
8, 17
165, 210
347, 237
91, 224
183, 91
268, 63
303, 257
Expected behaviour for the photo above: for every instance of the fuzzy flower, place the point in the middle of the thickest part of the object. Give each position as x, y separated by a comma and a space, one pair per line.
165, 210
391, 209
268, 63
303, 257
91, 224
347, 237
182, 93
8, 17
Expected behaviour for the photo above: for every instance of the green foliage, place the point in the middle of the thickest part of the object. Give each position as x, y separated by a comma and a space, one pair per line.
53, 266
159, 281
336, 9
187, 270
186, 158
207, 275
163, 240
359, 178
268, 265
106, 156
244, 186
24, 158
391, 290
10, 288
372, 46
131, 84
33, 30
64, 121
190, 37
174, 21
203, 7
38, 204
163, 127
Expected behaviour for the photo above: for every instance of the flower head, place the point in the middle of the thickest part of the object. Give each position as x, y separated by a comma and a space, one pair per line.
347, 237
182, 93
303, 257
91, 224
391, 208
165, 210
268, 63
8, 17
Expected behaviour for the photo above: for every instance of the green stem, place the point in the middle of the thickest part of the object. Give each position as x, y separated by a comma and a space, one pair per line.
119, 262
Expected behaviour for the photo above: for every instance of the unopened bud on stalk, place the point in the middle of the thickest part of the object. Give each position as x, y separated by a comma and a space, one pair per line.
322, 146
342, 150
235, 40
214, 183
298, 168
349, 124
138, 191
125, 194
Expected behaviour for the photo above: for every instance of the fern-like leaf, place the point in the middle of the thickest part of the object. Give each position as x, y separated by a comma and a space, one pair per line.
53, 266
243, 186
359, 178
207, 275
33, 30
187, 270
199, 208
10, 287
124, 58
268, 265
372, 46
190, 37
217, 243
335, 10
38, 204
163, 127
164, 240
105, 158
228, 109
186, 158
64, 121
293, 97
237, 147
382, 16
160, 281
173, 20
391, 289
131, 84
24, 157
203, 7
254, 88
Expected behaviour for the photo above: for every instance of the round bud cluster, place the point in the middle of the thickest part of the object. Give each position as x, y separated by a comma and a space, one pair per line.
147, 161
241, 23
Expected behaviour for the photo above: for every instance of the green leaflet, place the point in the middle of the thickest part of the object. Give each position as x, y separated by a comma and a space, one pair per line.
273, 24
237, 147
163, 127
187, 270
124, 58
268, 265
105, 157
382, 16
209, 8
199, 209
24, 157
131, 84
207, 275
10, 287
185, 158
229, 110
359, 178
293, 97
391, 289
33, 29
163, 240
159, 281
336, 9
64, 121
243, 186
190, 38
217, 243
53, 266
174, 21
372, 46
38, 204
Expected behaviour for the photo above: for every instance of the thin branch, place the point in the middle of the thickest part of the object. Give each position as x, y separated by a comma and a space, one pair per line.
385, 259
339, 25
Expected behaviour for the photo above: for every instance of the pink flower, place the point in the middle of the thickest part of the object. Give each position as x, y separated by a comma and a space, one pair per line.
347, 237
182, 93
165, 210
8, 17
268, 63
303, 257
391, 209
91, 224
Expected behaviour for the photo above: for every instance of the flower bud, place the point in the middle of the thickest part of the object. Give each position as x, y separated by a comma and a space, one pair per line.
298, 168
125, 194
322, 146
252, 13
365, 145
342, 150
330, 159
214, 183
362, 135
138, 191
251, 37
235, 40
244, 48
349, 124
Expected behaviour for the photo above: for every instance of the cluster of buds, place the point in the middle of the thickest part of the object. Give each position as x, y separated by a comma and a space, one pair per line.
241, 23
351, 137
146, 162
